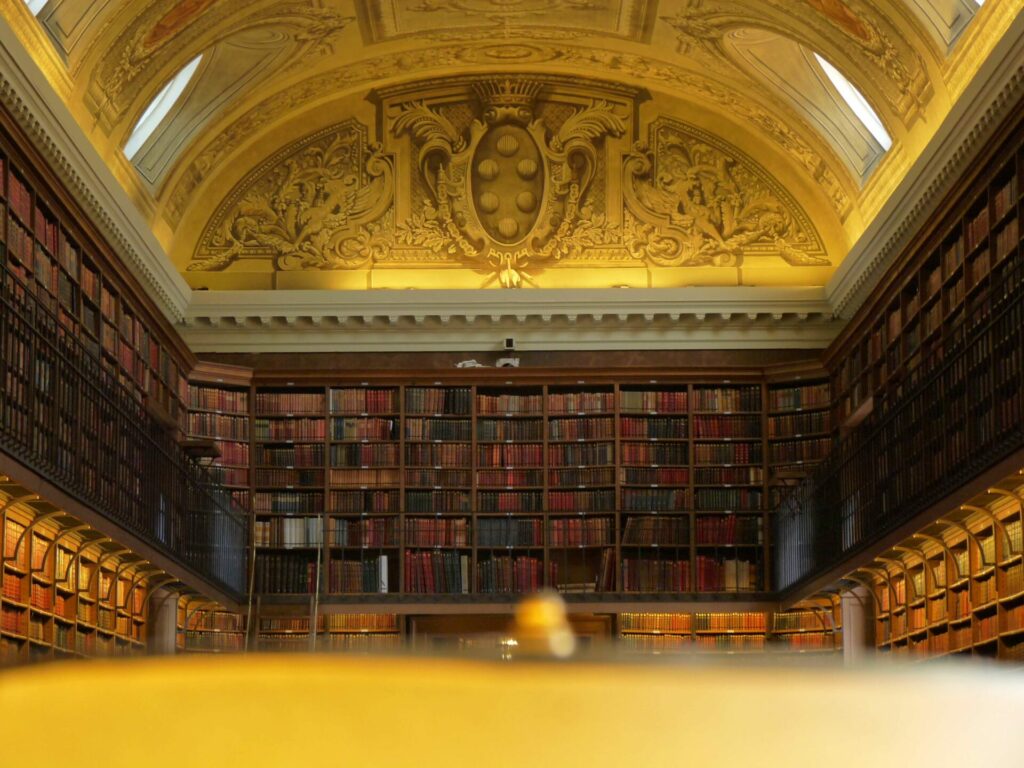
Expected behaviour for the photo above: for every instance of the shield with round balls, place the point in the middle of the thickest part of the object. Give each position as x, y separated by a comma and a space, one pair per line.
507, 183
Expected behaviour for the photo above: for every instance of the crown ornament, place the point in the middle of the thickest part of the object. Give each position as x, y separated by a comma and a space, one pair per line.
507, 99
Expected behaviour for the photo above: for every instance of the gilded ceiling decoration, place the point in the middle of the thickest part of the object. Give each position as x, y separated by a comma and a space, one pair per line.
508, 177
384, 20
856, 30
567, 57
166, 32
348, 136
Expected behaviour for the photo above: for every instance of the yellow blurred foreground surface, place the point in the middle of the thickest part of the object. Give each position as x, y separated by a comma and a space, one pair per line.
358, 711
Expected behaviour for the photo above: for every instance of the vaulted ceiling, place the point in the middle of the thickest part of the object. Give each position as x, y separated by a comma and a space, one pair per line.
338, 144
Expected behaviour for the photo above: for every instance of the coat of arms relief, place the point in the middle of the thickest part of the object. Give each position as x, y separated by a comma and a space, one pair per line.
508, 176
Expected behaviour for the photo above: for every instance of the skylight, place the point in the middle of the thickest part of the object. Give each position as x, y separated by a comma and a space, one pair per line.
857, 103
159, 107
35, 6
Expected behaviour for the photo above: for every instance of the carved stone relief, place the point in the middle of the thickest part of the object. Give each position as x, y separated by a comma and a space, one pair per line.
384, 20
593, 59
508, 176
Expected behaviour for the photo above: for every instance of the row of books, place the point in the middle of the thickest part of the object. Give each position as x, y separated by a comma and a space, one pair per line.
430, 400
661, 427
668, 531
509, 404
728, 529
288, 532
656, 499
500, 430
437, 532
513, 574
727, 453
501, 478
216, 399
511, 532
367, 575
304, 455
581, 454
728, 475
365, 500
727, 399
1007, 239
366, 533
796, 424
366, 477
730, 575
1005, 197
284, 574
436, 573
283, 403
577, 532
727, 498
643, 575
363, 400
582, 477
221, 621
800, 450
659, 475
655, 453
364, 429
796, 398
510, 455
438, 429
270, 478
581, 402
445, 454
594, 428
661, 401
438, 478
580, 501
726, 426
976, 229
287, 429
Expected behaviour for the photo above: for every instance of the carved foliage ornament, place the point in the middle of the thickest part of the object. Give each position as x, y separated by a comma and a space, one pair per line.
710, 205
306, 207
508, 177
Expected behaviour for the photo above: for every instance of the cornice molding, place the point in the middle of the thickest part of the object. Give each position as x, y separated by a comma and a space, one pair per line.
986, 102
449, 320
27, 95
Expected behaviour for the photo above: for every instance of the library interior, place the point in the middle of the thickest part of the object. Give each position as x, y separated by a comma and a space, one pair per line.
528, 349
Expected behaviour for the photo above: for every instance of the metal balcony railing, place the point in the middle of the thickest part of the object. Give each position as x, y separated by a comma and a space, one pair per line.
957, 415
67, 417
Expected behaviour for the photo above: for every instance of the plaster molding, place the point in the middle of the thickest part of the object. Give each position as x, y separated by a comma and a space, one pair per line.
27, 95
986, 102
440, 320
442, 333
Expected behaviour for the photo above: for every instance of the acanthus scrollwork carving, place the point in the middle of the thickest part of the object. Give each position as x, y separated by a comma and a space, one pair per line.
317, 206
705, 205
507, 193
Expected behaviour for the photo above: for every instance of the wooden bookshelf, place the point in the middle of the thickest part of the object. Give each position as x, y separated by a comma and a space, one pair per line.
958, 271
336, 632
803, 629
66, 592
957, 587
52, 255
465, 486
203, 629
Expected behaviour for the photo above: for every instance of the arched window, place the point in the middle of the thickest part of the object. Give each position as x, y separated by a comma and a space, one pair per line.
856, 101
159, 107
